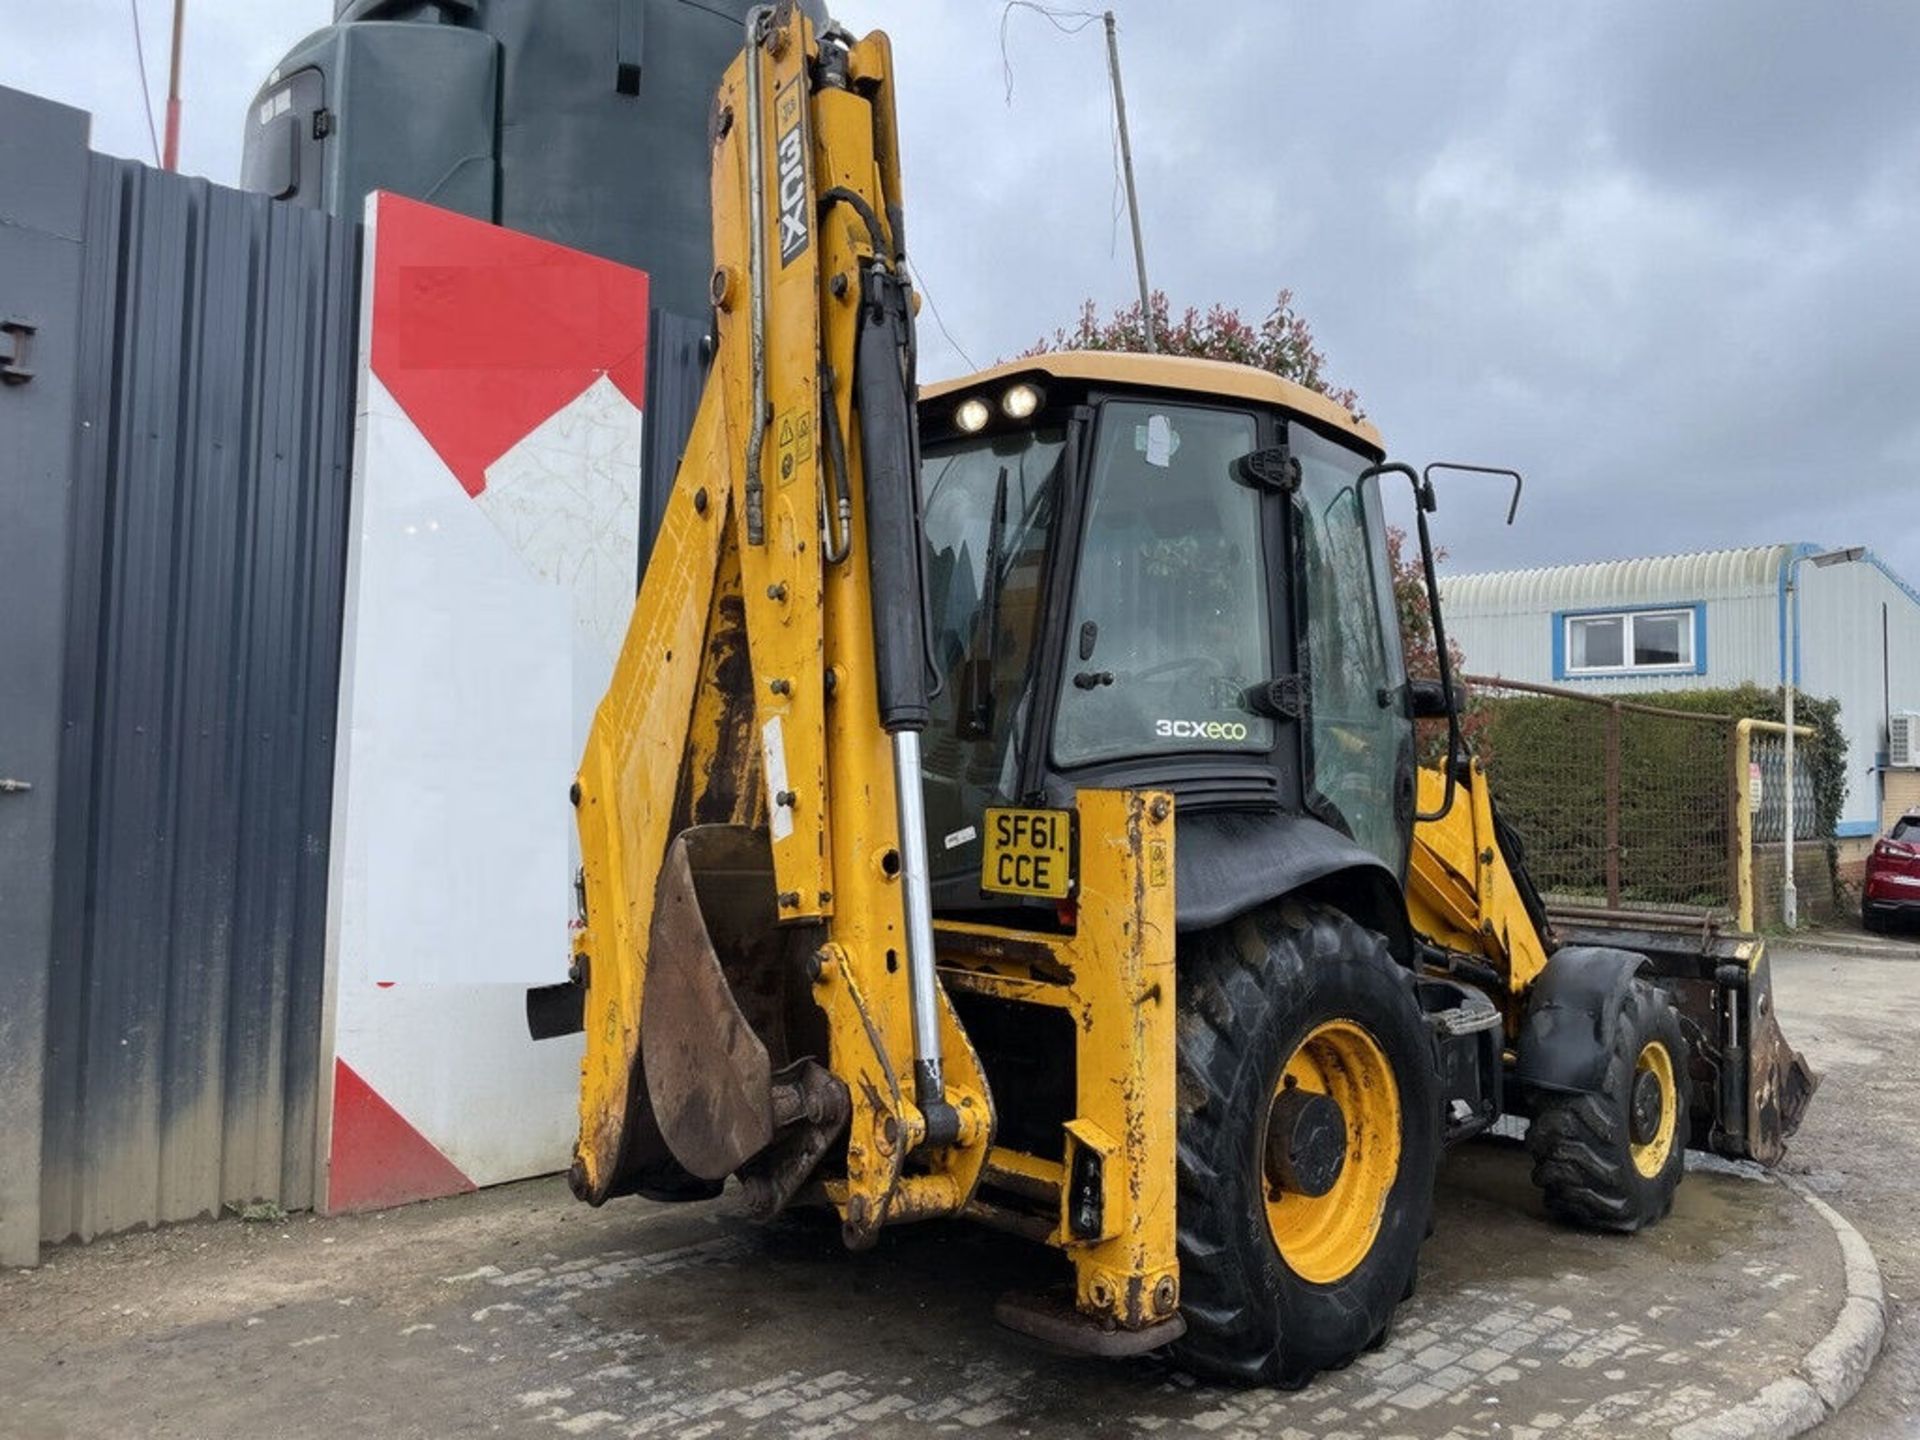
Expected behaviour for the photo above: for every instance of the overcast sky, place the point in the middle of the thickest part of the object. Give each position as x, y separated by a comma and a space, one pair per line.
1651, 254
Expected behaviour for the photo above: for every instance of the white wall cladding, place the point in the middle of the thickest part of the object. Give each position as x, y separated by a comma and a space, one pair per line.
1503, 623
1841, 654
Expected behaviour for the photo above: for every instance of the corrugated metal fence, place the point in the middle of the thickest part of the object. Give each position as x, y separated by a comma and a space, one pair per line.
212, 418
173, 513
43, 167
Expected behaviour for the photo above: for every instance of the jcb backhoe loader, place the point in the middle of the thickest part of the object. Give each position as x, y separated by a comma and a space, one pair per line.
1002, 810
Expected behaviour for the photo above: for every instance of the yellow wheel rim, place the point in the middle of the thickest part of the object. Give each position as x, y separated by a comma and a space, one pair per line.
1323, 1238
1651, 1158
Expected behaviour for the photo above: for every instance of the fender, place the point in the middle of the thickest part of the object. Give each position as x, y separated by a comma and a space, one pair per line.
1573, 1014
1226, 863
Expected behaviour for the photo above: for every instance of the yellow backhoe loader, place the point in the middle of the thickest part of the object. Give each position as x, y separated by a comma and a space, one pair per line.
1002, 806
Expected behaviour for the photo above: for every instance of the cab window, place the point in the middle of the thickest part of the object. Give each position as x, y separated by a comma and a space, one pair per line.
1170, 621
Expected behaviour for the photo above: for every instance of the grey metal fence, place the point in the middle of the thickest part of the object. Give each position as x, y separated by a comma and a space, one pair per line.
203, 434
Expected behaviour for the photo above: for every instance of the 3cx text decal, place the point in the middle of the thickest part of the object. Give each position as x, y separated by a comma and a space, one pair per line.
790, 158
1200, 729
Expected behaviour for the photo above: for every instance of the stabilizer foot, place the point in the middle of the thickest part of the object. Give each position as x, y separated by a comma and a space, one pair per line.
1052, 1319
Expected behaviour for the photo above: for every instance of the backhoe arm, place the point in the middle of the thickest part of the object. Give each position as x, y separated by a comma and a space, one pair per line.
754, 869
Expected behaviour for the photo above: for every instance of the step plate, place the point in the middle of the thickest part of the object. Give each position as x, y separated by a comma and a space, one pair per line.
1051, 1318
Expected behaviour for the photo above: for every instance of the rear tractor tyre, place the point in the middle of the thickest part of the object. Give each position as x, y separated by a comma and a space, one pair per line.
1309, 1131
1612, 1160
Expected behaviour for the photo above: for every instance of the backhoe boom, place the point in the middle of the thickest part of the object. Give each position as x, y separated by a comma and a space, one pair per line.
742, 815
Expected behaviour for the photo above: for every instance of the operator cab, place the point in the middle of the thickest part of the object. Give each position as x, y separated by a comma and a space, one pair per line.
1154, 572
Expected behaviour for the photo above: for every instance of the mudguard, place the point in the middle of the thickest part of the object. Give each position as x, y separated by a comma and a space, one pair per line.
1226, 863
1573, 1014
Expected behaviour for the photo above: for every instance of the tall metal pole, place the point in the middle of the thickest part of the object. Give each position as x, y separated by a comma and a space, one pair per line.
1133, 199
170, 157
1789, 892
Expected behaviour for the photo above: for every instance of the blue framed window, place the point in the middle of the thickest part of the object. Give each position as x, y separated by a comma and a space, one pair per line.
1636, 640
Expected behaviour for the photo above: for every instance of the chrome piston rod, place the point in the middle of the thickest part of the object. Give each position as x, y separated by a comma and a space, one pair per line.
929, 1081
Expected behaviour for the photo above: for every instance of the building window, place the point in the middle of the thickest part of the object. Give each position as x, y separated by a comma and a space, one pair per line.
1627, 642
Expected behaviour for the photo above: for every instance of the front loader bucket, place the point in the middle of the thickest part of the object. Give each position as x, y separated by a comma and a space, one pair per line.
708, 1073
1778, 1080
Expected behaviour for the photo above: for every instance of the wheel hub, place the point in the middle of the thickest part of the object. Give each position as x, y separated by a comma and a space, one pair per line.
1653, 1110
1331, 1152
1306, 1142
1648, 1107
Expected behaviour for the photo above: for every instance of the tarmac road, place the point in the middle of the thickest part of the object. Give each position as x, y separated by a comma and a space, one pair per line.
519, 1312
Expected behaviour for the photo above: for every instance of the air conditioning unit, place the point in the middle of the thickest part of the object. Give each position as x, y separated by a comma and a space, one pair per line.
1903, 741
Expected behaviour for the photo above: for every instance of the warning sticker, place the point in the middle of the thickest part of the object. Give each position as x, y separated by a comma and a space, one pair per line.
793, 439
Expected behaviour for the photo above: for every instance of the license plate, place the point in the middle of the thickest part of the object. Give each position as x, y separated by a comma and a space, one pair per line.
1028, 852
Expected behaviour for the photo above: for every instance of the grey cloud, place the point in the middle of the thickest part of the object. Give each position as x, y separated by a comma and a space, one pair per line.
1656, 255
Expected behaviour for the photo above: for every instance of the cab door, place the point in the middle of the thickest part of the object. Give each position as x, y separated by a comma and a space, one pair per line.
1178, 625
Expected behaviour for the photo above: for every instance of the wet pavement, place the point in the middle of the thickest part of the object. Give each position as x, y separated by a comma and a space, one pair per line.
519, 1312
1856, 1018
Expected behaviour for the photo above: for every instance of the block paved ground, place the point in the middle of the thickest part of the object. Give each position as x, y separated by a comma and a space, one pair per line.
519, 1312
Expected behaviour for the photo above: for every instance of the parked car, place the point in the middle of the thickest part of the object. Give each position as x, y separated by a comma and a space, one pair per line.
1893, 875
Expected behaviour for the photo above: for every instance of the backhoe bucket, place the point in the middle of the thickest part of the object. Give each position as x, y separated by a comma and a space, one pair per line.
712, 991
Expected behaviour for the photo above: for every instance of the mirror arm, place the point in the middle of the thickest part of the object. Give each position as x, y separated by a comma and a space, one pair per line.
1423, 504
1513, 505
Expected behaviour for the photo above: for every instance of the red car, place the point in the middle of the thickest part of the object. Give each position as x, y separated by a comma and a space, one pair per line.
1893, 875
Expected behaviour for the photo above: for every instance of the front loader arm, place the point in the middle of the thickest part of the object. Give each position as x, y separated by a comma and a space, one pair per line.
1469, 896
773, 682
1465, 893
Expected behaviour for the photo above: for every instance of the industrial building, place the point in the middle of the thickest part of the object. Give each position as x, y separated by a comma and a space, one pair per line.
1715, 619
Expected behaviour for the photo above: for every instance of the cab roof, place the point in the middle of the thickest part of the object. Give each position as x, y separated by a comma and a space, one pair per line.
1213, 378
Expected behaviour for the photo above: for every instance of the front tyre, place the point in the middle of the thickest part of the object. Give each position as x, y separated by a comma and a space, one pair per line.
1309, 1130
1611, 1160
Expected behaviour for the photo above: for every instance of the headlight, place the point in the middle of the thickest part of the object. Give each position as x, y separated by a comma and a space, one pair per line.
971, 415
1020, 401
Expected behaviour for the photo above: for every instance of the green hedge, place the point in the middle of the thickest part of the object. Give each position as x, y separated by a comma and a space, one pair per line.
1547, 757
1825, 756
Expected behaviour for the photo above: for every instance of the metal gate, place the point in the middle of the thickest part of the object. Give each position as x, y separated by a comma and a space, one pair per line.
1631, 811
176, 553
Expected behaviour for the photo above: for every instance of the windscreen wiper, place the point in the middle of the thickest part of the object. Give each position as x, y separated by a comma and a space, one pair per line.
978, 697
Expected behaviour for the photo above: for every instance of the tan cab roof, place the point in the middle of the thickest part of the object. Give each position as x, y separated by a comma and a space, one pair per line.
1215, 378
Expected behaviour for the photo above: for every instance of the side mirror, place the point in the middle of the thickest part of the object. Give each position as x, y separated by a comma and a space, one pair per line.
1429, 700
